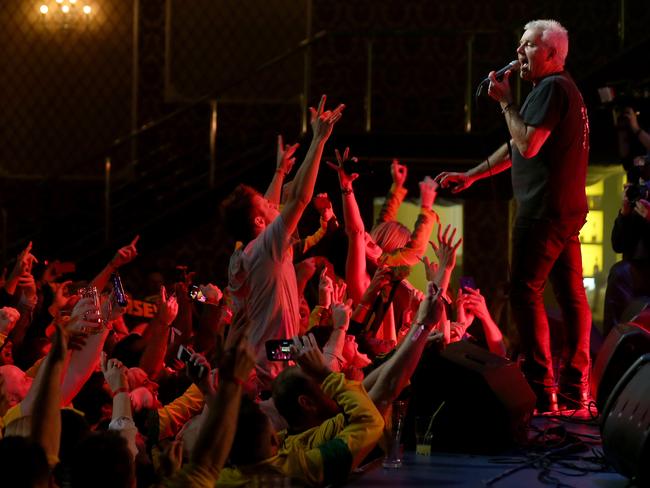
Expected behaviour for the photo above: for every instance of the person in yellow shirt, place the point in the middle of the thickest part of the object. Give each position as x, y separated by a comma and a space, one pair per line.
321, 455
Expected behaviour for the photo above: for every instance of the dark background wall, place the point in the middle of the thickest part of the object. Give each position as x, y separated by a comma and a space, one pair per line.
67, 93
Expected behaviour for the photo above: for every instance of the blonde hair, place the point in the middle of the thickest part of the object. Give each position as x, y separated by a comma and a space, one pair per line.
390, 235
553, 35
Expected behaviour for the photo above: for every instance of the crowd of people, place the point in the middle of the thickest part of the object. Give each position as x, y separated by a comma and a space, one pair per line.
289, 370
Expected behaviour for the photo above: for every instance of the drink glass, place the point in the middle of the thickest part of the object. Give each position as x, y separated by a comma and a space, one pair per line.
394, 428
423, 436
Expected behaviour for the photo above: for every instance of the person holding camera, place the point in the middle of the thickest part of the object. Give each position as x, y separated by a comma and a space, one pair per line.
629, 279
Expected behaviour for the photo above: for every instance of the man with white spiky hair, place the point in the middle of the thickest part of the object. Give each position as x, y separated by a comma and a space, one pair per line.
548, 152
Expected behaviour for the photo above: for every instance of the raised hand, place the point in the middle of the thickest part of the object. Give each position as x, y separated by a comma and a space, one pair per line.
308, 356
428, 192
8, 318
642, 207
192, 368
322, 121
238, 360
285, 159
170, 459
115, 373
463, 316
446, 248
500, 90
430, 309
457, 181
323, 206
325, 289
398, 172
382, 278
344, 179
21, 273
212, 293
341, 313
474, 303
167, 307
338, 294
125, 254
630, 114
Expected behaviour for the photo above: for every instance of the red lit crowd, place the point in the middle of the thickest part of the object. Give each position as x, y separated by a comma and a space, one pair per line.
284, 374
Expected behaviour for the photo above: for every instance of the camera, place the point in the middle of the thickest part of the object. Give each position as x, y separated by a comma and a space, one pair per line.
640, 191
278, 349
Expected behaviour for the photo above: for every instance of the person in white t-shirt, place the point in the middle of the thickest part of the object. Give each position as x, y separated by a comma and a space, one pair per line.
262, 279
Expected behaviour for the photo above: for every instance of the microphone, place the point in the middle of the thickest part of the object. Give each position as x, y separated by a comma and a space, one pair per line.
512, 65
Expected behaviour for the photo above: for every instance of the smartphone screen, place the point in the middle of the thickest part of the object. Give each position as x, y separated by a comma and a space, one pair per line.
278, 349
196, 294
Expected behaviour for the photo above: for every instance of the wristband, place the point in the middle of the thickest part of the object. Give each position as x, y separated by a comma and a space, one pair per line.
507, 107
346, 191
122, 389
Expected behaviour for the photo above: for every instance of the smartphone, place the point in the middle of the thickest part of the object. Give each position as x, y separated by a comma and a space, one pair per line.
278, 349
195, 293
467, 282
119, 294
184, 354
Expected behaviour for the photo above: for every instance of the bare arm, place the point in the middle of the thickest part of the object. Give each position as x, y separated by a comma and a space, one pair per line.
46, 416
302, 189
217, 433
355, 264
497, 162
386, 382
284, 164
123, 256
528, 139
153, 357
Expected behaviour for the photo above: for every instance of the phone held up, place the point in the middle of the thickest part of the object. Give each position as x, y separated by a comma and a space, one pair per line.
278, 349
184, 354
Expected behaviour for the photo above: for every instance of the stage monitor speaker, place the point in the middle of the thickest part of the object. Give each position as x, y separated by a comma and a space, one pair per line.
623, 345
625, 428
487, 402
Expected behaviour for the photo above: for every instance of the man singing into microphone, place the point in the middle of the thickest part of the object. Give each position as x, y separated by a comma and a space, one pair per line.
549, 151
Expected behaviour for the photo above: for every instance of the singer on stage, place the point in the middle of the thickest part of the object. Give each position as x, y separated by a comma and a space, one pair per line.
549, 152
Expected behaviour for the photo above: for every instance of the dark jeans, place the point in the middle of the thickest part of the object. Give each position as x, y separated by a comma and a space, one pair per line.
542, 250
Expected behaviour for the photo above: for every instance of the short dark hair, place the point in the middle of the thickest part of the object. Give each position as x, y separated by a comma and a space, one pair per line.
23, 462
236, 213
250, 422
287, 387
102, 460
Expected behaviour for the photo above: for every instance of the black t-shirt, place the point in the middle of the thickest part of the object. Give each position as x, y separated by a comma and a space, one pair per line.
552, 183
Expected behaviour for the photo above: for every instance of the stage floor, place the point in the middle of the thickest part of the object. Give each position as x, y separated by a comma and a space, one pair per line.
565, 451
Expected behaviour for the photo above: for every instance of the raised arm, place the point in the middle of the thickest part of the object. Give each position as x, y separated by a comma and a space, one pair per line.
284, 164
355, 265
445, 251
302, 189
642, 135
46, 416
396, 194
385, 383
528, 139
153, 356
122, 257
474, 302
217, 433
